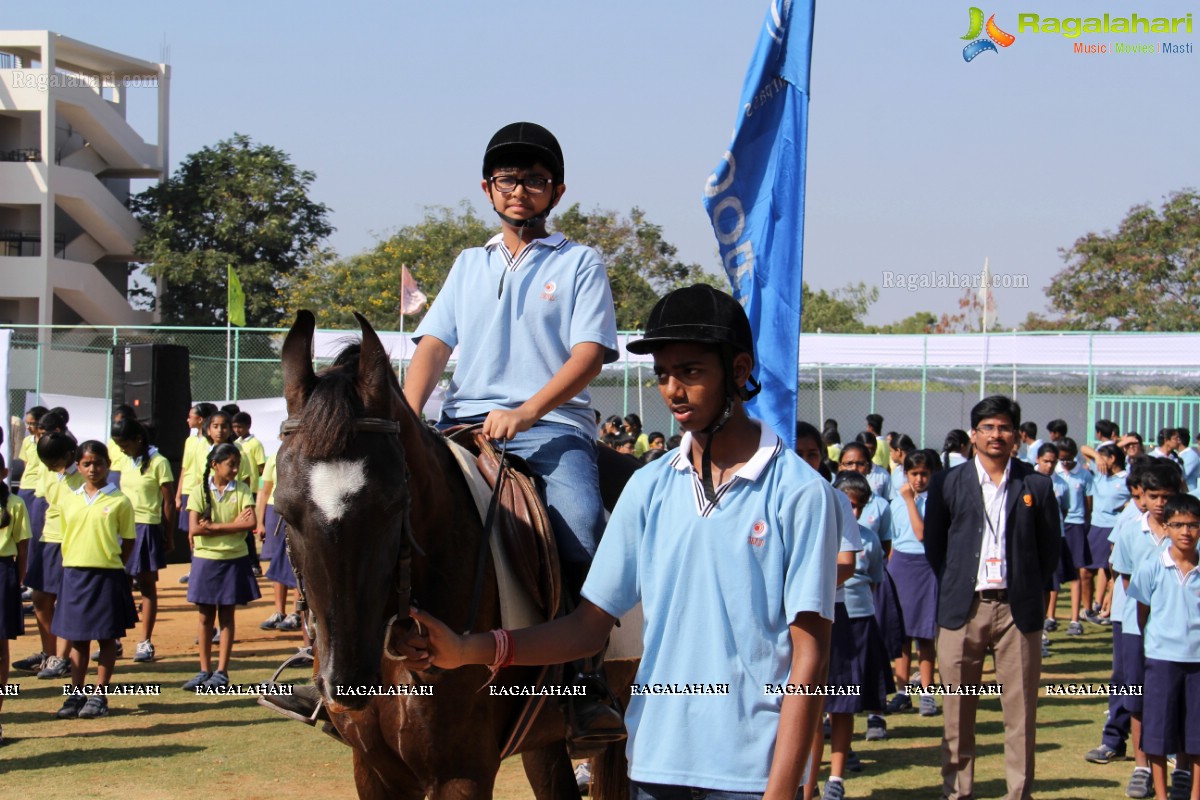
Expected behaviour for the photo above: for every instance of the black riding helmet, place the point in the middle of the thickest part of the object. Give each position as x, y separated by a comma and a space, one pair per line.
704, 315
523, 143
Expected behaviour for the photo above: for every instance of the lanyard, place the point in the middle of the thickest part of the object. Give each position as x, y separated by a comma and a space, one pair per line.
1000, 497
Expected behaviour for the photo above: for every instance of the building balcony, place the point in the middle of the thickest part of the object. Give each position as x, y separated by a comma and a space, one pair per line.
23, 154
28, 244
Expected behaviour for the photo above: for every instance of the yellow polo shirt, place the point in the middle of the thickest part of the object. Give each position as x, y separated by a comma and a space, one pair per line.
144, 489
55, 485
17, 529
95, 526
34, 468
227, 505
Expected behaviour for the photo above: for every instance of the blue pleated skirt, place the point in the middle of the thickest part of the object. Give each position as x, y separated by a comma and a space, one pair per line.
280, 569
94, 604
48, 575
149, 550
216, 582
273, 541
12, 618
916, 587
864, 666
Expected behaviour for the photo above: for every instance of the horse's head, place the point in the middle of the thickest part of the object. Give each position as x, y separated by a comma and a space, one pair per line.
343, 490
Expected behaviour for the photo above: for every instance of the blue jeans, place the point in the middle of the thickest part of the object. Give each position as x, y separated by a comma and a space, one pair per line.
658, 791
564, 459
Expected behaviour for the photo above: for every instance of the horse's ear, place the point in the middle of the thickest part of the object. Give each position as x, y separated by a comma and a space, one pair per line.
298, 375
376, 380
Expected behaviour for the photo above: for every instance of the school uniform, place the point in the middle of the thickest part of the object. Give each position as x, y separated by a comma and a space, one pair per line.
1171, 712
190, 472
34, 469
279, 570
12, 616
1191, 467
1067, 569
1076, 523
880, 482
221, 573
841, 644
272, 522
1135, 543
253, 449
866, 664
916, 584
1110, 494
95, 602
118, 462
953, 460
719, 583
1116, 724
877, 515
55, 488
144, 490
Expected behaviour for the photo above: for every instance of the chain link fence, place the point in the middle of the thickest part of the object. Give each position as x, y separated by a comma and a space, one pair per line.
925, 403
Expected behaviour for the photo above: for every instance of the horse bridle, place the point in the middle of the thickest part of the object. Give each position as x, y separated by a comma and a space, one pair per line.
403, 561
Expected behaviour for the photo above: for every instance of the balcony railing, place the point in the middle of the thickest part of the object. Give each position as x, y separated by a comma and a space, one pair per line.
29, 244
23, 154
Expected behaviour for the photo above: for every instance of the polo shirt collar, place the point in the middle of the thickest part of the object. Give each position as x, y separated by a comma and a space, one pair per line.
554, 241
137, 461
768, 446
71, 470
218, 493
107, 488
1165, 559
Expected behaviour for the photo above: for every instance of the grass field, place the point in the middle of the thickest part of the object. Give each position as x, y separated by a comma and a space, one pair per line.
182, 745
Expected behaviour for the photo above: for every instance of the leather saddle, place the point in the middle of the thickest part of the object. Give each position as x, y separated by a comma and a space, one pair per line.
521, 526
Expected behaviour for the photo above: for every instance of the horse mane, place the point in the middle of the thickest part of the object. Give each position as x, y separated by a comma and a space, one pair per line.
329, 415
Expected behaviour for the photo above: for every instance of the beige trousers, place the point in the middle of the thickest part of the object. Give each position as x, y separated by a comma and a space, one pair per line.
1018, 659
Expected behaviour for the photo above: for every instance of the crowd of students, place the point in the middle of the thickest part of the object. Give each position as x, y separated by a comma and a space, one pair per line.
90, 523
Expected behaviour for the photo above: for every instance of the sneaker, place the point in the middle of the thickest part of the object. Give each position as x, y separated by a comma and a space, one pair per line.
899, 702
256, 570
217, 680
71, 706
1139, 783
27, 594
1045, 640
1045, 650
290, 623
271, 622
1181, 784
96, 706
184, 577
216, 639
1091, 616
1075, 628
853, 762
929, 706
876, 728
199, 678
120, 651
1105, 621
1103, 754
145, 651
1050, 625
583, 777
34, 663
55, 668
303, 657
834, 790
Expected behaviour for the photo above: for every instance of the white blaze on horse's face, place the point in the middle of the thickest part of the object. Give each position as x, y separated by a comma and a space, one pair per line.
332, 484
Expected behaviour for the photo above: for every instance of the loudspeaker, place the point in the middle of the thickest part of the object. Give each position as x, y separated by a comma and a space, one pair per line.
157, 383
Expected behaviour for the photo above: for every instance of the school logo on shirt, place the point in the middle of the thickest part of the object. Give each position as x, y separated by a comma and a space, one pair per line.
758, 534
548, 291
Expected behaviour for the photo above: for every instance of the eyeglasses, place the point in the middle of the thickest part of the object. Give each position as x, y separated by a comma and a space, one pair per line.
855, 463
1182, 526
1003, 430
507, 184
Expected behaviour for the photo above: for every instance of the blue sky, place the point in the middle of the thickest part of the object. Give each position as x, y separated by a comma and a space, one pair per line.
918, 161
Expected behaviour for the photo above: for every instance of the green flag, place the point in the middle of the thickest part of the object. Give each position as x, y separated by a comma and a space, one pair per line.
236, 306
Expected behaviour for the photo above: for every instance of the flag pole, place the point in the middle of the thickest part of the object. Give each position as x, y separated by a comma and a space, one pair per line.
403, 338
228, 334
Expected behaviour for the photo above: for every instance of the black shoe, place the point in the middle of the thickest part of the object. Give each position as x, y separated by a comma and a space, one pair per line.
71, 707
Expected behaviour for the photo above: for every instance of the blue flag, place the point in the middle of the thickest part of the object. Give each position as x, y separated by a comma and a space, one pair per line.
755, 200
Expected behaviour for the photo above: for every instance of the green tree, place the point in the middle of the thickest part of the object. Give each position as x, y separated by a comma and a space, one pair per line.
917, 322
1145, 276
237, 204
839, 311
642, 266
369, 282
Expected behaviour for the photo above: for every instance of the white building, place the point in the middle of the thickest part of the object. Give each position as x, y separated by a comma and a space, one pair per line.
67, 154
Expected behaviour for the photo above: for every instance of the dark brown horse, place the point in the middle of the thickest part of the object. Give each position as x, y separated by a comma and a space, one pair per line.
364, 487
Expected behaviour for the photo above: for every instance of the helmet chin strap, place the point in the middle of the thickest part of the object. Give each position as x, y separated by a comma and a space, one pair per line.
710, 493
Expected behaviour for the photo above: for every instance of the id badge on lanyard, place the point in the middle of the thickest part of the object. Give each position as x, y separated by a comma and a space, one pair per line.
993, 566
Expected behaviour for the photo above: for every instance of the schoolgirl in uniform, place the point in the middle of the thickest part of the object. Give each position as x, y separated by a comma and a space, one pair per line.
193, 463
149, 484
1110, 495
271, 534
33, 465
221, 511
120, 413
14, 550
857, 656
95, 603
57, 452
916, 585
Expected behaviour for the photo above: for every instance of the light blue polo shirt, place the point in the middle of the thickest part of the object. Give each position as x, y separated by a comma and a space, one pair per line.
1136, 543
1079, 486
1173, 629
1060, 492
1109, 494
903, 538
1130, 516
868, 569
719, 585
877, 515
1191, 467
897, 476
848, 538
881, 482
515, 320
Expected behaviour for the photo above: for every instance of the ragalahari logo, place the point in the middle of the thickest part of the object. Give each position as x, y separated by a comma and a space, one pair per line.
994, 34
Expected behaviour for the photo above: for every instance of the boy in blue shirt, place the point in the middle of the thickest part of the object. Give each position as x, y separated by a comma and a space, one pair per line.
730, 545
1076, 522
1135, 542
1166, 587
532, 317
